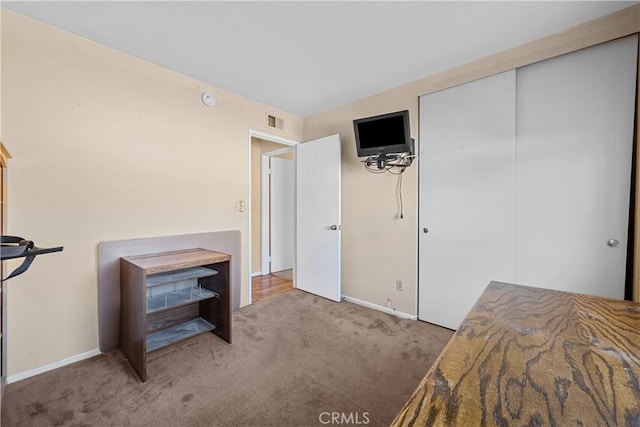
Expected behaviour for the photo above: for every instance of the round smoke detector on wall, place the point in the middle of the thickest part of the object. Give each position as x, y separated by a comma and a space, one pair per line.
208, 99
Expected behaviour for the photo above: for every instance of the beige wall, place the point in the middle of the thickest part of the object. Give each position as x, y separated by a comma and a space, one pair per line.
379, 248
106, 146
259, 146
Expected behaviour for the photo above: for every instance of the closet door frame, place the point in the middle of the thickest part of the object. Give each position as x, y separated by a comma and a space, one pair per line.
539, 51
635, 214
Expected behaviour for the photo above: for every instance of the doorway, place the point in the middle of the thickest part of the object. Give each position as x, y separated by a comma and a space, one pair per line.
317, 215
272, 216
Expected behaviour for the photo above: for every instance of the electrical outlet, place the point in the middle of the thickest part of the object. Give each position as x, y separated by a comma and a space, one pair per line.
389, 302
399, 285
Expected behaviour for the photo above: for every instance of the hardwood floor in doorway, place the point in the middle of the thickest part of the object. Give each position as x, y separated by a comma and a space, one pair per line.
269, 285
284, 274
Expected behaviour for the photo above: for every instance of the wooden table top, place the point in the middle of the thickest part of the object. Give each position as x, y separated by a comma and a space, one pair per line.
531, 356
176, 260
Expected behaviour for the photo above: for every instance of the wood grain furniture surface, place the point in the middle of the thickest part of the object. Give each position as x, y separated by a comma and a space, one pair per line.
167, 297
531, 356
110, 252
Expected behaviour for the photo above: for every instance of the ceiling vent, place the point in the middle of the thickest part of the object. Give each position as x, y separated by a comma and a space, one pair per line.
275, 122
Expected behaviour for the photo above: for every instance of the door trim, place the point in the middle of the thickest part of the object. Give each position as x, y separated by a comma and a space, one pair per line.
272, 138
635, 288
266, 200
4, 156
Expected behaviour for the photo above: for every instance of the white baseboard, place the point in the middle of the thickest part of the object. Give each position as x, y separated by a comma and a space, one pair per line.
52, 366
259, 273
388, 310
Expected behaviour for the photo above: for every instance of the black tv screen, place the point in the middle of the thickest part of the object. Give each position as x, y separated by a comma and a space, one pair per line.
383, 134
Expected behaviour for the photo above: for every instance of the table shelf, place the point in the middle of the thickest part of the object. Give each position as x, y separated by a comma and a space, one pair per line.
170, 296
175, 299
179, 276
177, 333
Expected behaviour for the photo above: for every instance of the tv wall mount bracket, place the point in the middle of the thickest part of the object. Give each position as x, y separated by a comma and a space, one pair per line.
13, 247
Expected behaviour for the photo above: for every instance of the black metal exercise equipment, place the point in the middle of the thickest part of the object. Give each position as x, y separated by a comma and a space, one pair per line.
17, 247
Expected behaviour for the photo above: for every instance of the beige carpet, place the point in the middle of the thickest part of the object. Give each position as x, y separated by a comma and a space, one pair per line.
295, 359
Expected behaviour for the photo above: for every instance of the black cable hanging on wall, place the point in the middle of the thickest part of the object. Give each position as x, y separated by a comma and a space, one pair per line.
395, 164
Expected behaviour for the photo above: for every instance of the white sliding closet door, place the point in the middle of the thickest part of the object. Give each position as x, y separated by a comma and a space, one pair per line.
467, 195
575, 117
534, 191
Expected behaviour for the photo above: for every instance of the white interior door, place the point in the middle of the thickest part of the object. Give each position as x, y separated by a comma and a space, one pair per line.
467, 195
318, 217
282, 215
575, 116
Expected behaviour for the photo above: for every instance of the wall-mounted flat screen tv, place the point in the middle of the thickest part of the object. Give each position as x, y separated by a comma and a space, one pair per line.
383, 134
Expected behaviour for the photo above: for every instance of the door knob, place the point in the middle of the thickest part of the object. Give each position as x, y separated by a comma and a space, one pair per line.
425, 230
613, 243
335, 227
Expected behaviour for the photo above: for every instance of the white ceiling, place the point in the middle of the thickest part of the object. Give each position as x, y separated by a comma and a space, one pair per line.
307, 57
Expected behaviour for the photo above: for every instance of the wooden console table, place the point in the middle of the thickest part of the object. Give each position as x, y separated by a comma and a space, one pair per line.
167, 297
530, 356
